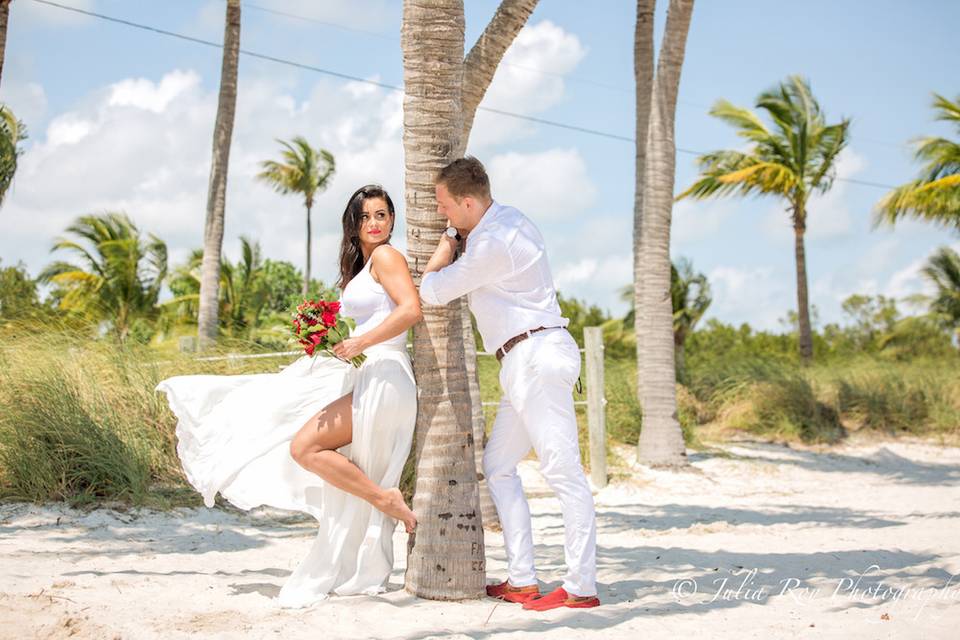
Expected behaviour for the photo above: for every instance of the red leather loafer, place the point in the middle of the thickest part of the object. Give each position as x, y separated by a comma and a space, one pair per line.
560, 598
510, 593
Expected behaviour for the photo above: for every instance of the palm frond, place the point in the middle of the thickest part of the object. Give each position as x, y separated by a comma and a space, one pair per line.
947, 110
790, 159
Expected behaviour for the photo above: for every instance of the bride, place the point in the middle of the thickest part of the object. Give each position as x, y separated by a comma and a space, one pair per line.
321, 436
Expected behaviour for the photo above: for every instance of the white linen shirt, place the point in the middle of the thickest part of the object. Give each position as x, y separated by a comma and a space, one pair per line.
506, 276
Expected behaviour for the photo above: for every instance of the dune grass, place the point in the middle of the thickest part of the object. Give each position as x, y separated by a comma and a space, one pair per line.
920, 397
81, 422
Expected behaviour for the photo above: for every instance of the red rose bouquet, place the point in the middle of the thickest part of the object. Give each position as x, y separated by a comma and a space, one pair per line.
318, 325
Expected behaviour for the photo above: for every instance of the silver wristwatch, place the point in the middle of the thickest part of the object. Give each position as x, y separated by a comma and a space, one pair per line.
453, 233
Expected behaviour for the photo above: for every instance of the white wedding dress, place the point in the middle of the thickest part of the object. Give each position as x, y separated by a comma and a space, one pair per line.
234, 436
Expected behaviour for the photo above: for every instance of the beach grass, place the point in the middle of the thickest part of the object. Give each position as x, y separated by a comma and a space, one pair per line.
81, 421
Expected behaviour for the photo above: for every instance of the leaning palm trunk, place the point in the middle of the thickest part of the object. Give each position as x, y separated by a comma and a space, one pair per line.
207, 320
446, 555
643, 73
803, 306
4, 18
661, 439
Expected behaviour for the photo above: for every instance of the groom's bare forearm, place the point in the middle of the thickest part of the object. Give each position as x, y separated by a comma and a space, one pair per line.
443, 255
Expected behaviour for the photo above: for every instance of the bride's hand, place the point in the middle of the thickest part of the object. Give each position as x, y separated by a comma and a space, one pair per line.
349, 348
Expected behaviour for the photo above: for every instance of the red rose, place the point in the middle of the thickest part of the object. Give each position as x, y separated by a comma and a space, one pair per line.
311, 322
329, 319
316, 338
333, 307
309, 349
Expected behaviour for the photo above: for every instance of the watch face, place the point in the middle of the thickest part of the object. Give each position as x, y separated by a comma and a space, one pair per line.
453, 233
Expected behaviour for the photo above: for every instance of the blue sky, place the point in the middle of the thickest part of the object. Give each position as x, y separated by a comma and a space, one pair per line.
122, 119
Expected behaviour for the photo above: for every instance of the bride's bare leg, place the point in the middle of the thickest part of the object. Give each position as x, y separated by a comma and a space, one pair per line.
313, 449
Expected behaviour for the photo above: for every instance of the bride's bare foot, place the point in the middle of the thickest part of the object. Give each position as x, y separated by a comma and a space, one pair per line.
395, 507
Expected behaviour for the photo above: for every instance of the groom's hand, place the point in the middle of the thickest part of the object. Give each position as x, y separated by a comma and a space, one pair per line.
443, 255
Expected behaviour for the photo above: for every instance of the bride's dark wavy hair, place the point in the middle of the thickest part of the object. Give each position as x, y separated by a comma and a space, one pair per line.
351, 257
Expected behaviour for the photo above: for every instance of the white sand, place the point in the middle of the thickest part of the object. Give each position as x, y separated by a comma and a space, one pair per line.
814, 520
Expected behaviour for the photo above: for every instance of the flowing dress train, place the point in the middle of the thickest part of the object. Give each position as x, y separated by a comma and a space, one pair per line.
234, 434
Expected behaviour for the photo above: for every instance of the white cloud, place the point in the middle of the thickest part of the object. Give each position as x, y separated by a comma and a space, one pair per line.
575, 273
27, 13
546, 185
28, 101
529, 80
596, 280
755, 295
697, 220
144, 94
909, 281
829, 215
67, 129
143, 146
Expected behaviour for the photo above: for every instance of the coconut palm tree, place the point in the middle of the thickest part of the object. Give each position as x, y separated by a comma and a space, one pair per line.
943, 270
244, 293
12, 132
442, 92
691, 297
303, 170
119, 273
4, 18
791, 160
661, 439
217, 192
935, 195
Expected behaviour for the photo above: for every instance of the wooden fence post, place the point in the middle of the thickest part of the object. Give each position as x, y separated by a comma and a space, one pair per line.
596, 405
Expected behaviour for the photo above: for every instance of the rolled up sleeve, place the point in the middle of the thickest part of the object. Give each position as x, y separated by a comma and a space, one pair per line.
428, 292
486, 260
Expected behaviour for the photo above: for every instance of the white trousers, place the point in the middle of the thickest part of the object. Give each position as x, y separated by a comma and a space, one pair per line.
537, 410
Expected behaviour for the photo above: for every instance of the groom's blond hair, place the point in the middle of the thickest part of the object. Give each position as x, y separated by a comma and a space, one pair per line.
465, 177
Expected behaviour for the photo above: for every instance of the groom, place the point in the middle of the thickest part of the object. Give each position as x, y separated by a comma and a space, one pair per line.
504, 270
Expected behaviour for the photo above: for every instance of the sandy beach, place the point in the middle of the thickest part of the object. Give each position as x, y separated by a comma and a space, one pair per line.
757, 540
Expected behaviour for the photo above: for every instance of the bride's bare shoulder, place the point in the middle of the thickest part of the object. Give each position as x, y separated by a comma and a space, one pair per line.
387, 259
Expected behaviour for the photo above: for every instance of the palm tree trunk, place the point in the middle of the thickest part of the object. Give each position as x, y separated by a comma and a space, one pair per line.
661, 439
681, 358
442, 91
4, 18
445, 558
488, 509
306, 273
643, 75
217, 194
803, 305
481, 63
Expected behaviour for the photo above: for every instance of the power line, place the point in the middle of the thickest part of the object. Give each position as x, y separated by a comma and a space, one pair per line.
384, 36
382, 85
325, 23
504, 63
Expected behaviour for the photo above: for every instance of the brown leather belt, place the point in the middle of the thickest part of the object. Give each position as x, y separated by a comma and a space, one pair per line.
515, 340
